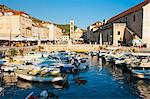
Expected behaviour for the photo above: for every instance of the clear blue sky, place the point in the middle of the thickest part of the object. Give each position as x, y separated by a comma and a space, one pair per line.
84, 12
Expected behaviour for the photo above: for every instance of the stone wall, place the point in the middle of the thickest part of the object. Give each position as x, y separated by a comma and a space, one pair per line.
79, 48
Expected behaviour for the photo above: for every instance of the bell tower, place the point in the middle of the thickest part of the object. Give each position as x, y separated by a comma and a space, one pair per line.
71, 29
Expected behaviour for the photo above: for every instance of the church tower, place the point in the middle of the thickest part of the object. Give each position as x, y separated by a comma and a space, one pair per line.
71, 29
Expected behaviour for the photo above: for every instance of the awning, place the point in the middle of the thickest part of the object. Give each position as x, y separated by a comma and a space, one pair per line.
4, 38
31, 39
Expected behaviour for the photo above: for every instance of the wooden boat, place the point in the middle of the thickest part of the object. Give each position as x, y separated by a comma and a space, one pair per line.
142, 70
145, 74
138, 72
48, 77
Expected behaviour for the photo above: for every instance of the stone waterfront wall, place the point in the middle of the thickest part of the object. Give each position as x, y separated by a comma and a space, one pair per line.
26, 49
78, 48
90, 47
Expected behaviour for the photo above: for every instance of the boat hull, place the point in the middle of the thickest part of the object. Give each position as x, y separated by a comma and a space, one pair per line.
38, 78
141, 74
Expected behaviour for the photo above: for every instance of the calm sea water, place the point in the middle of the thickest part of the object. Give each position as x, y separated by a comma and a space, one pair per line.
100, 81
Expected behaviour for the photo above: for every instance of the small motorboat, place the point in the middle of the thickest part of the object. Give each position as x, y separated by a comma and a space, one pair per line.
46, 77
119, 61
69, 68
93, 53
141, 71
145, 74
102, 53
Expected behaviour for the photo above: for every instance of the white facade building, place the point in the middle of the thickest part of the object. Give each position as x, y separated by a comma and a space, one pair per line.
14, 23
55, 33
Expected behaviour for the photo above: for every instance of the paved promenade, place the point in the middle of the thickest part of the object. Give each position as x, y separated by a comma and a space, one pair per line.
91, 47
26, 49
76, 47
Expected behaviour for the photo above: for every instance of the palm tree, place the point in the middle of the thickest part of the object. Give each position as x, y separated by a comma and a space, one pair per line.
13, 52
21, 52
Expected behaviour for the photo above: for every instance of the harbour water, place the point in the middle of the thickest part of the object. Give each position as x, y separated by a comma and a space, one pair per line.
101, 81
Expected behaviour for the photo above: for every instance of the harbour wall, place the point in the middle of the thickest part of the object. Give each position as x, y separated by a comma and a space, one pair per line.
73, 47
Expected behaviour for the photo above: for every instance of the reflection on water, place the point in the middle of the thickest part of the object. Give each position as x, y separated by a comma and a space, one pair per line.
101, 80
144, 88
139, 87
9, 79
23, 84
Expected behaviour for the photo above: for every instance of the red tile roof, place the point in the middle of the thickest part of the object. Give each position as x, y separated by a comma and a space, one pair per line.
131, 10
15, 12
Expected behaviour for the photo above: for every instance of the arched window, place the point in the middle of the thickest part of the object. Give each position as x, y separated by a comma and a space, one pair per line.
118, 33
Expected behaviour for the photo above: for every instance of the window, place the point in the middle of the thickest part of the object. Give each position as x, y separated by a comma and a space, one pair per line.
126, 19
71, 23
118, 32
107, 37
133, 18
71, 28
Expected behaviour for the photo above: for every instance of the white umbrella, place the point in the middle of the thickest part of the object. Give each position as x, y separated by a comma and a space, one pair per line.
19, 38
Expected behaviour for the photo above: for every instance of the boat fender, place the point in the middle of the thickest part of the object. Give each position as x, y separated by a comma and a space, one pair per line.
68, 71
44, 94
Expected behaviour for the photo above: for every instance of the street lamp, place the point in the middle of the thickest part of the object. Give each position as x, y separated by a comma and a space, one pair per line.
10, 33
39, 41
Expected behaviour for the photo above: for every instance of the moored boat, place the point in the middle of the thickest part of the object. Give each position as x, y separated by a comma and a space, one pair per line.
119, 61
8, 68
141, 71
47, 77
145, 74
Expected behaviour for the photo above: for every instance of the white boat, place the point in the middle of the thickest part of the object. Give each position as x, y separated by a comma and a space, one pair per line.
24, 74
119, 61
8, 68
102, 53
108, 58
94, 53
141, 54
31, 56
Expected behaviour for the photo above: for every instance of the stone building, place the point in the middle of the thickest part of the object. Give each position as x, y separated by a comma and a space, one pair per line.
132, 24
91, 36
40, 32
13, 23
55, 33
78, 33
65, 37
71, 29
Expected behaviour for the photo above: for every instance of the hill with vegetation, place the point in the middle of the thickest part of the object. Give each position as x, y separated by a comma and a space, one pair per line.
3, 7
65, 27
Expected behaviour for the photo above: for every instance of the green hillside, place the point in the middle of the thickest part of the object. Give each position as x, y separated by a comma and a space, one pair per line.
65, 27
36, 20
3, 7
